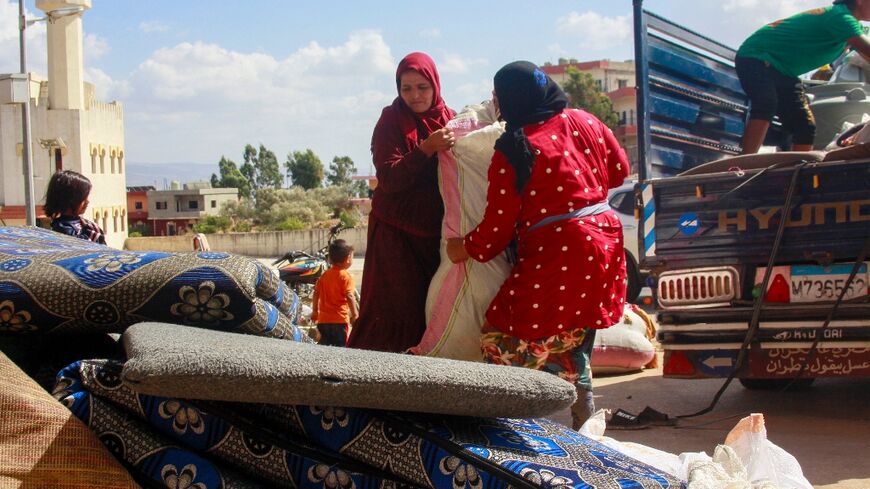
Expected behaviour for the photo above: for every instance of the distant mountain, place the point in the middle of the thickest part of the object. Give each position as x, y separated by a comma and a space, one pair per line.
161, 175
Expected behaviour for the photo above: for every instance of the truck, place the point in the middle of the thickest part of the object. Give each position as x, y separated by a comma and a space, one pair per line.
758, 262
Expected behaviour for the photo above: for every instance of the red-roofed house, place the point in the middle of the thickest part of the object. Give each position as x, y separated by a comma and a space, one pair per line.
137, 209
616, 80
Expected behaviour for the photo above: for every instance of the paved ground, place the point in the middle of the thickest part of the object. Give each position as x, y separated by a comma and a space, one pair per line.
826, 427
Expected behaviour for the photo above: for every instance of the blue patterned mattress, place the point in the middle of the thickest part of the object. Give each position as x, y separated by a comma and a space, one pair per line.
235, 445
56, 284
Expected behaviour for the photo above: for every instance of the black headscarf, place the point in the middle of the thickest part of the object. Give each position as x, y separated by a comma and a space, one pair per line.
525, 95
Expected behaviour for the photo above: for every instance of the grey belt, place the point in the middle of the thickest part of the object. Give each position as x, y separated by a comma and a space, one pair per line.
591, 210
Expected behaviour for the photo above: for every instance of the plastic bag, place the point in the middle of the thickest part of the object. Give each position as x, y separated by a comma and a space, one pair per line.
764, 461
675, 465
747, 460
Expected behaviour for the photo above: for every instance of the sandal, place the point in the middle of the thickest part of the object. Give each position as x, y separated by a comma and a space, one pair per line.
624, 420
656, 418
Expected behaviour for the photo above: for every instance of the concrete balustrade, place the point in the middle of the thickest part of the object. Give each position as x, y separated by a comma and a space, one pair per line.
265, 244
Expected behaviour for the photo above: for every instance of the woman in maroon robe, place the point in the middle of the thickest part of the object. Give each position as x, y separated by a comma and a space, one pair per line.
404, 232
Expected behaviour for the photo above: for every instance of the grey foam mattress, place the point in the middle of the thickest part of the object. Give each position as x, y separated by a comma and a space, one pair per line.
177, 361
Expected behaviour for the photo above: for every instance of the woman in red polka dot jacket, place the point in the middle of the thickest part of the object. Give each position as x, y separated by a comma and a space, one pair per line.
548, 184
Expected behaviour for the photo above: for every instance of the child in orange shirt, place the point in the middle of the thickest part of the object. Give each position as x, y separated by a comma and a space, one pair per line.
334, 304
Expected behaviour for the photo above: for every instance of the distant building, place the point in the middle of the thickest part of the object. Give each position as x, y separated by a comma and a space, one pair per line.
364, 204
137, 209
175, 211
70, 130
616, 80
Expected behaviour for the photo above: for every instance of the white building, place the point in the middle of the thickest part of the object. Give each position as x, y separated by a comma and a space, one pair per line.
71, 130
175, 211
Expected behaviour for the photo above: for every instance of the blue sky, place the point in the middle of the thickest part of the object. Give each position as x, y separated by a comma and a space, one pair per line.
199, 79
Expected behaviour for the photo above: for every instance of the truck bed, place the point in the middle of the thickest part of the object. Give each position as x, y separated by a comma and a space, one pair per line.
701, 220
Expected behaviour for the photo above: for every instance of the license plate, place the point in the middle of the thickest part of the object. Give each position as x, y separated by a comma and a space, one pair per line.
813, 283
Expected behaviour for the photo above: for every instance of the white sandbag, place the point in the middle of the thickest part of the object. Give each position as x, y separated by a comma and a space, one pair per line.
626, 346
460, 293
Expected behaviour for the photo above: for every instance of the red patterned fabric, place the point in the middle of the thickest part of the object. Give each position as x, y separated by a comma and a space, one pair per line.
570, 273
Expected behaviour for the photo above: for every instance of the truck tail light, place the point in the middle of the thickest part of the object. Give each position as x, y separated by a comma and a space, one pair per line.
677, 363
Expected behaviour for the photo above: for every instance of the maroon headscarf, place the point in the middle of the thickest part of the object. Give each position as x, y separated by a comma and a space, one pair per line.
438, 114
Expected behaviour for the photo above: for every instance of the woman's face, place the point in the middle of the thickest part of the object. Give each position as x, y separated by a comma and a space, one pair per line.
416, 91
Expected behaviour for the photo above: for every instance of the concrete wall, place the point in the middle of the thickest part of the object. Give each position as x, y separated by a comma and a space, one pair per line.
268, 244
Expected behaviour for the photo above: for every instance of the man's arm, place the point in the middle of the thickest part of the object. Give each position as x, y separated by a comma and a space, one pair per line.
862, 45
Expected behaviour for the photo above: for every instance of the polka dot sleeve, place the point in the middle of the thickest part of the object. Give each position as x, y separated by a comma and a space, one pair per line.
618, 165
496, 230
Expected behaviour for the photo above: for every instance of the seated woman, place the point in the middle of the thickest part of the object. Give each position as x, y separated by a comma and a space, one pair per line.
548, 185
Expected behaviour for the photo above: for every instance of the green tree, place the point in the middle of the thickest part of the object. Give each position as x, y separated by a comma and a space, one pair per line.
250, 173
212, 224
304, 169
231, 177
340, 171
261, 168
584, 94
268, 169
359, 188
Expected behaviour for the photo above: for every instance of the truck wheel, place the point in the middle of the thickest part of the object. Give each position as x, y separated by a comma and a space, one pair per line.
632, 289
775, 384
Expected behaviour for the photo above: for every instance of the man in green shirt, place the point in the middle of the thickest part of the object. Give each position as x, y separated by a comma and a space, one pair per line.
770, 61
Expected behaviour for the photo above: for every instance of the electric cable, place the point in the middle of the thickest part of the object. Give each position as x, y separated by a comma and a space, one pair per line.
756, 311
820, 331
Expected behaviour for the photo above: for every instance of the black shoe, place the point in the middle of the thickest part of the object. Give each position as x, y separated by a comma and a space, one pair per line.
624, 420
655, 418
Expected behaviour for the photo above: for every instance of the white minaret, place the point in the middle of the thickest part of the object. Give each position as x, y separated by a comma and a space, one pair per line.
65, 59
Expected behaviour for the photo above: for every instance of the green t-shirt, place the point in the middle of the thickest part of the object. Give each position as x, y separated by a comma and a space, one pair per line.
804, 41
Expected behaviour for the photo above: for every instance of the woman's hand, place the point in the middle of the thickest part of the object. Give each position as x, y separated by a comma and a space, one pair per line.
438, 141
456, 250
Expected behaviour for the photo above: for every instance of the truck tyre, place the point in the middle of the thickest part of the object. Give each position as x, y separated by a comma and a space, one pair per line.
775, 384
632, 289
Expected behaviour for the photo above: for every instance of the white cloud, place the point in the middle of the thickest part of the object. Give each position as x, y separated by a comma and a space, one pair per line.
95, 47
756, 13
431, 33
455, 64
10, 59
153, 26
107, 89
732, 21
763, 11
196, 101
594, 31
474, 91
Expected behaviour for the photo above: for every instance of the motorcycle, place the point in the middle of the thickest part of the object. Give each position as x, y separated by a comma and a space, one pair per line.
300, 270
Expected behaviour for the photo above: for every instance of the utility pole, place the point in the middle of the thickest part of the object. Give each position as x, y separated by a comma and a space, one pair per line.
29, 202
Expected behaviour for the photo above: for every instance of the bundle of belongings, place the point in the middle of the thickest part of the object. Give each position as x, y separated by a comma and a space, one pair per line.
188, 370
459, 295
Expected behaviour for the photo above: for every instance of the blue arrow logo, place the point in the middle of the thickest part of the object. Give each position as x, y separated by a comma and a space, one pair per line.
689, 223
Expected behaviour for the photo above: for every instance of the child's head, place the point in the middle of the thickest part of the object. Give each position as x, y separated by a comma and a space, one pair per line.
67, 193
340, 253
